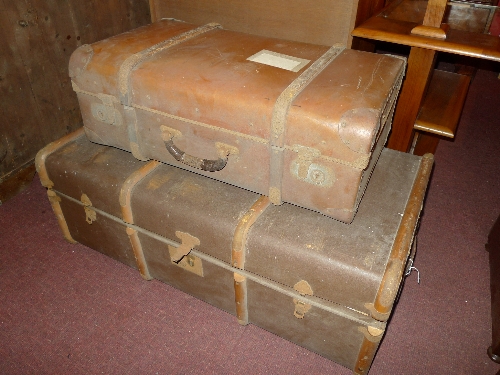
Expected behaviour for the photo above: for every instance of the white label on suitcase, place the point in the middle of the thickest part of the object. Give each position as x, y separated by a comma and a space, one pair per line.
279, 60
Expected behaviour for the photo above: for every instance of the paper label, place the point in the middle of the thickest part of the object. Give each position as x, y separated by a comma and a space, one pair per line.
278, 60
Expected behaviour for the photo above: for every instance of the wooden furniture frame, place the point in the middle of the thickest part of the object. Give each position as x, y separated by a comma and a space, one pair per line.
430, 103
37, 103
493, 247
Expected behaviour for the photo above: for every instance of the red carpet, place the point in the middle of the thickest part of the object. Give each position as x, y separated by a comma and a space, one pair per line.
67, 309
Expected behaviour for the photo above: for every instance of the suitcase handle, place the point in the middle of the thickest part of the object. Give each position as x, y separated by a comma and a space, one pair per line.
193, 161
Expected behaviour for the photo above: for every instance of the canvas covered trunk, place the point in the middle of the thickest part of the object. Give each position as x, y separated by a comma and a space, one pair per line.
297, 122
320, 283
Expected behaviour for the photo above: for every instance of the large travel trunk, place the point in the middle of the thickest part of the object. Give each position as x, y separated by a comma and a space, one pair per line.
297, 122
320, 283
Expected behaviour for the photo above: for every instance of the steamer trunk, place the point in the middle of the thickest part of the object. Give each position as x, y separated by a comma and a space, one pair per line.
297, 122
320, 283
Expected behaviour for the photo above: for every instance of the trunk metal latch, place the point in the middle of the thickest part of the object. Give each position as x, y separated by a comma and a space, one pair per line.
301, 307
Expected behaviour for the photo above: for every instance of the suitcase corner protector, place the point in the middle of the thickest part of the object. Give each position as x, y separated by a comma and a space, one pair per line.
377, 315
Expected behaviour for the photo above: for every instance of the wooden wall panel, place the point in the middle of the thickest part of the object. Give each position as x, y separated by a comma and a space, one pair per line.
323, 22
37, 37
319, 22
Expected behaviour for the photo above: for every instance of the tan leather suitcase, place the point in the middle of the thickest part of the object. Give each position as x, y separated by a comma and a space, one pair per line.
317, 282
297, 122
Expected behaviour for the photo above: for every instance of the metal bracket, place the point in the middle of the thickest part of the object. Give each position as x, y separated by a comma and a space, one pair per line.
372, 334
188, 243
168, 133
90, 214
106, 113
304, 169
301, 307
189, 263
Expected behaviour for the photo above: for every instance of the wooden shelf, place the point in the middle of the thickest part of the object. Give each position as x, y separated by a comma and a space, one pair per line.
429, 107
443, 103
386, 29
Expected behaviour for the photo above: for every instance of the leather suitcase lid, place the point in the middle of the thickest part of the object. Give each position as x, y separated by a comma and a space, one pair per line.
294, 121
95, 68
208, 78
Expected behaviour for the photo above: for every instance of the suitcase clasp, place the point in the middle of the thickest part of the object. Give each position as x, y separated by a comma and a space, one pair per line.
106, 113
180, 256
90, 214
188, 243
301, 307
191, 263
304, 169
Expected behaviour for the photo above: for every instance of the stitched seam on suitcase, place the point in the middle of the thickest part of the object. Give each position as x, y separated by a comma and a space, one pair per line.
278, 121
132, 61
358, 164
338, 309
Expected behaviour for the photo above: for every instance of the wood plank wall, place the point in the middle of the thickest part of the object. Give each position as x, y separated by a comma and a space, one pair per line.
37, 37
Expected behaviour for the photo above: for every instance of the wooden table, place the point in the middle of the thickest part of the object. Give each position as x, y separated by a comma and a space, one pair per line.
493, 247
424, 104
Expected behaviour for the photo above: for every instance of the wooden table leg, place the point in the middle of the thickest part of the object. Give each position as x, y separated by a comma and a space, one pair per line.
420, 68
366, 9
426, 144
493, 247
